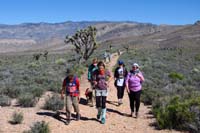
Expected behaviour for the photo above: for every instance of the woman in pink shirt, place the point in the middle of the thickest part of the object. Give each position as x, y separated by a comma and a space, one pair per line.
134, 81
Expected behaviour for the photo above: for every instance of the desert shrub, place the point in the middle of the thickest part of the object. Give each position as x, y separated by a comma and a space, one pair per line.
11, 91
27, 100
197, 57
148, 96
79, 70
17, 118
54, 103
37, 92
60, 61
5, 100
41, 79
33, 65
174, 76
39, 127
54, 86
178, 114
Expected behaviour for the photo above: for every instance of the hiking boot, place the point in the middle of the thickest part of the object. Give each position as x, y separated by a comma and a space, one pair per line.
98, 117
132, 114
103, 120
136, 115
78, 117
67, 122
120, 102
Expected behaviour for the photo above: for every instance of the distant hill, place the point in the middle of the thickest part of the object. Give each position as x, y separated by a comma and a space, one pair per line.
50, 36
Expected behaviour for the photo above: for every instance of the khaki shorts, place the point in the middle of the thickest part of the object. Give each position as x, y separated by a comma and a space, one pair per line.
71, 101
101, 92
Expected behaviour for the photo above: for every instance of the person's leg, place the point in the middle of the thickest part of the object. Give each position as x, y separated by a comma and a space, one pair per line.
137, 102
75, 103
119, 94
98, 103
131, 100
104, 97
103, 119
68, 102
122, 91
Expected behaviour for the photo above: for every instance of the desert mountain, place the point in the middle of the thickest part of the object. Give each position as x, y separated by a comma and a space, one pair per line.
32, 36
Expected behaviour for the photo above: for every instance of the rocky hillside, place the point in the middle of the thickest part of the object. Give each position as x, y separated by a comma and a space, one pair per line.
32, 36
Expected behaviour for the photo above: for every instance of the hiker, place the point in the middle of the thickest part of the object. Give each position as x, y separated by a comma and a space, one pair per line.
103, 77
118, 52
109, 57
134, 81
105, 56
71, 86
91, 69
120, 75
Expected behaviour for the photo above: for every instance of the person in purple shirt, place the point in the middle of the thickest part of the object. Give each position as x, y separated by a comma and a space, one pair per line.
134, 81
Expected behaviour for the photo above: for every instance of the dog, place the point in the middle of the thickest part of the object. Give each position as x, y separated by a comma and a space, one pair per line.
88, 94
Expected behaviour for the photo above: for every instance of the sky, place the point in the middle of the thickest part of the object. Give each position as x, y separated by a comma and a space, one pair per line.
174, 12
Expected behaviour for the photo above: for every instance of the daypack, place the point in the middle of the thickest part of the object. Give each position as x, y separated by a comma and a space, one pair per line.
71, 86
117, 75
91, 69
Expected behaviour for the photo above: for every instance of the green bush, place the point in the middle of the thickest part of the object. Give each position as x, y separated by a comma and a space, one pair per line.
197, 57
148, 96
39, 127
177, 114
17, 118
37, 92
60, 61
54, 103
5, 100
175, 75
11, 92
27, 100
54, 86
33, 65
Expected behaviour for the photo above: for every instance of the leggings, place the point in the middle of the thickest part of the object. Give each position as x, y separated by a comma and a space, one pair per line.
101, 101
120, 92
134, 98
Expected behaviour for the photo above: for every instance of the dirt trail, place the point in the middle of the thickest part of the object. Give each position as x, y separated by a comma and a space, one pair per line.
117, 120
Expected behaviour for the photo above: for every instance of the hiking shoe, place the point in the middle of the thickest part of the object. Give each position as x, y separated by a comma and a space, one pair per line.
67, 122
78, 117
103, 120
132, 114
136, 115
98, 117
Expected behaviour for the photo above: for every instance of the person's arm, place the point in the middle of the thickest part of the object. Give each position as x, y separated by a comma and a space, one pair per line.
126, 82
115, 74
63, 89
78, 85
139, 75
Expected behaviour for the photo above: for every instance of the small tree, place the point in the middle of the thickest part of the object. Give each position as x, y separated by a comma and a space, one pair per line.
84, 42
45, 54
37, 56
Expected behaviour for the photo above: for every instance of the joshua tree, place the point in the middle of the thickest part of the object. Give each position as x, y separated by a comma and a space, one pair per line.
37, 56
84, 42
45, 54
127, 48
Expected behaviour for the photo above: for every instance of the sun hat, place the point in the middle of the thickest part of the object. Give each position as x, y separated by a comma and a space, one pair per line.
135, 64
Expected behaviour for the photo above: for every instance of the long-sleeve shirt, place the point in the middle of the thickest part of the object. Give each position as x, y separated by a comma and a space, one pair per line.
134, 82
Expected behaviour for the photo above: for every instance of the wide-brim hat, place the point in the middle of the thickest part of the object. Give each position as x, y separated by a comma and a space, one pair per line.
135, 64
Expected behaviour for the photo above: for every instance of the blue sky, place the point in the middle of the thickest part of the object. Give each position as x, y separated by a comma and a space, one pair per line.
153, 11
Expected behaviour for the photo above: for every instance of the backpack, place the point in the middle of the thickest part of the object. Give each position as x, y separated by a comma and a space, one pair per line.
71, 87
91, 69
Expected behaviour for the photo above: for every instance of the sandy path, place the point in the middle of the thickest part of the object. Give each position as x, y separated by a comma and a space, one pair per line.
117, 120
